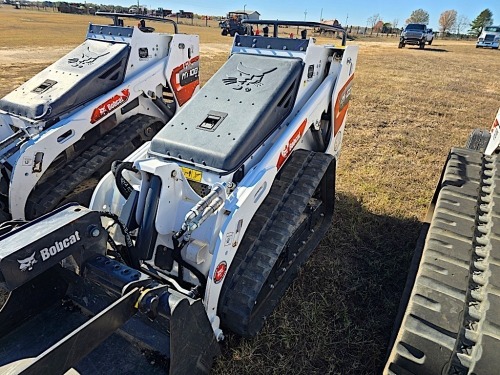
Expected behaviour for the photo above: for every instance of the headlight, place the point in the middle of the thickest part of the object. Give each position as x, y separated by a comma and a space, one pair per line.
481, 39
497, 38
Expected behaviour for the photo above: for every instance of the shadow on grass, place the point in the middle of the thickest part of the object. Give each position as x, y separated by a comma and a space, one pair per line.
338, 315
432, 49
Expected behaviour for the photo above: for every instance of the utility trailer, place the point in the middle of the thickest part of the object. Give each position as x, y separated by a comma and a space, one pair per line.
197, 232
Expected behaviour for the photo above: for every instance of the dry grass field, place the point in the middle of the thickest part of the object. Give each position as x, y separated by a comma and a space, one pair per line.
409, 107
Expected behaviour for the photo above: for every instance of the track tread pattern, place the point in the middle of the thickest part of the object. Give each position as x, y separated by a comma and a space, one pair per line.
452, 321
267, 234
116, 144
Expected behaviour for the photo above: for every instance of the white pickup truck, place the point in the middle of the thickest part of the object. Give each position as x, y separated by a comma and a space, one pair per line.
490, 37
430, 36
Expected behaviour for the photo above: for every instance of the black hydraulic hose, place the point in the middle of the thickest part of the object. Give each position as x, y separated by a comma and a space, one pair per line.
126, 255
118, 253
163, 107
146, 240
3, 172
182, 263
147, 234
124, 187
11, 139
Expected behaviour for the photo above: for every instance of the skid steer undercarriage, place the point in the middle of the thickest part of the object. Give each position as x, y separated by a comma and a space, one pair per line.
200, 230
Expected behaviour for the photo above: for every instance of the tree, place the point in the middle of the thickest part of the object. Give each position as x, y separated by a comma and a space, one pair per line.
418, 16
461, 22
485, 18
447, 20
372, 21
395, 23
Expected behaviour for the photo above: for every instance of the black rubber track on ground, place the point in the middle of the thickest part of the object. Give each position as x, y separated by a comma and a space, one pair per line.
246, 299
452, 323
92, 163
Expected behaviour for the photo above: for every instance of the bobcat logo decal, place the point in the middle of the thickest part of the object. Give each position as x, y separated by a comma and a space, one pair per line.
27, 264
247, 76
87, 58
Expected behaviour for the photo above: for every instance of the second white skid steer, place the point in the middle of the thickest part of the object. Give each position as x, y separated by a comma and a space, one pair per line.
60, 131
206, 225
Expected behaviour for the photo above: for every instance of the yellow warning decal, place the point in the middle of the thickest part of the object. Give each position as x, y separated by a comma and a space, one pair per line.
192, 174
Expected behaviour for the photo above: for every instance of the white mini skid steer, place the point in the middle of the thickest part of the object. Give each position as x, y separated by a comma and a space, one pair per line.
200, 230
60, 131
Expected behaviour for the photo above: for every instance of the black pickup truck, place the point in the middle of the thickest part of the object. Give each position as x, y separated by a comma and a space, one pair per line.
414, 33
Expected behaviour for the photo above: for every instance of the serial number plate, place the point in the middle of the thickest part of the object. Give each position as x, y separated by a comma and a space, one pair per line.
192, 174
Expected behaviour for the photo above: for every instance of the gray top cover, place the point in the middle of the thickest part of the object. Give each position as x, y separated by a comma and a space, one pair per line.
235, 112
90, 70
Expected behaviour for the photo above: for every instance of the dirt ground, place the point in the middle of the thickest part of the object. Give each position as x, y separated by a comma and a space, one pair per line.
408, 107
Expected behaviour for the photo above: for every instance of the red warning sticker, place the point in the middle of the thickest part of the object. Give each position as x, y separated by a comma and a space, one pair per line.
220, 272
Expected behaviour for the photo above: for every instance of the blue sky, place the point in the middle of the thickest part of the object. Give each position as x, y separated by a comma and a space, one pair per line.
357, 14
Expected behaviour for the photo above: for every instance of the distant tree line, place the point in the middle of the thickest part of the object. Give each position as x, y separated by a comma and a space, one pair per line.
91, 8
450, 22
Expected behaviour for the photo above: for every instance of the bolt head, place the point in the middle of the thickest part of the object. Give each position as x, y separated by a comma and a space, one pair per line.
94, 231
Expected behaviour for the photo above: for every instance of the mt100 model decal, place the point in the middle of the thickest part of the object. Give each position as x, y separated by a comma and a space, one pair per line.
110, 105
185, 79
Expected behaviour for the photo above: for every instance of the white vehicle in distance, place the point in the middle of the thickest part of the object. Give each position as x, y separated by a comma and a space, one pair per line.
430, 36
490, 37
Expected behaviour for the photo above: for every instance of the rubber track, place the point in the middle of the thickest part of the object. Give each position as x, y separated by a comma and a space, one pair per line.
114, 145
267, 235
452, 322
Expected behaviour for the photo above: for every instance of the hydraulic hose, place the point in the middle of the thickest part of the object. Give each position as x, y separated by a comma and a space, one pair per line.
124, 187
